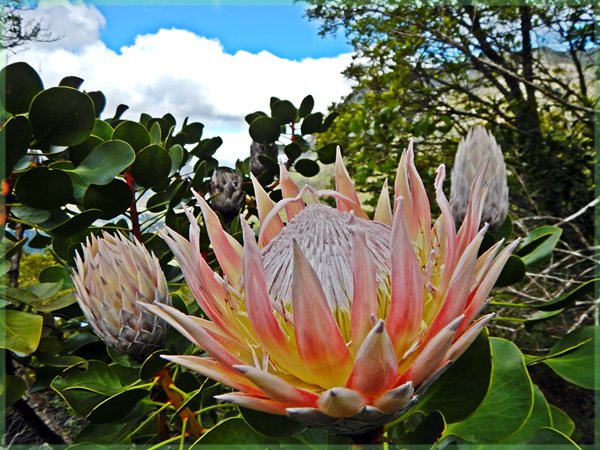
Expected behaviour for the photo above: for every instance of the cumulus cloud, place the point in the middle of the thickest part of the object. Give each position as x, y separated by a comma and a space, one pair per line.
179, 72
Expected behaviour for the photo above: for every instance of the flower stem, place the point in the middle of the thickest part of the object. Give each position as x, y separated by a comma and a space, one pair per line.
177, 400
135, 220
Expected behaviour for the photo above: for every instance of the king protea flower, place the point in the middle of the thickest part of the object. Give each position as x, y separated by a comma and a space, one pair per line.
113, 277
477, 149
332, 318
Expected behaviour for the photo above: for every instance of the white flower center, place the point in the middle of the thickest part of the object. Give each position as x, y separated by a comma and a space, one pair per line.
325, 236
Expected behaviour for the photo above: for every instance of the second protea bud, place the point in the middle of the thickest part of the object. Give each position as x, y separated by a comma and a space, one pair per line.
112, 275
474, 151
227, 194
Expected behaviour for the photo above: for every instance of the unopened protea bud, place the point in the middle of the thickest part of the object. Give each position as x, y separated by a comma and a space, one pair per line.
474, 151
113, 275
257, 149
227, 194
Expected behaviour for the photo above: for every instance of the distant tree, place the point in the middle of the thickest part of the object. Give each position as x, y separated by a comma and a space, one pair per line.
431, 70
16, 31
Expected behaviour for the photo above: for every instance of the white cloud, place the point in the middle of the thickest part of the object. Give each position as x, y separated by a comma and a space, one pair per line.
179, 72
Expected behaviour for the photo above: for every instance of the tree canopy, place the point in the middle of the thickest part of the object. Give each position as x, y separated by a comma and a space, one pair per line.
431, 70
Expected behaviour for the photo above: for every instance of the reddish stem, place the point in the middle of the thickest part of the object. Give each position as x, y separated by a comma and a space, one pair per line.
135, 219
177, 401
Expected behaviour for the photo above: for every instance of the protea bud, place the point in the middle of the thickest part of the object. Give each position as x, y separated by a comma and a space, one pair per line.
227, 194
257, 149
476, 150
113, 275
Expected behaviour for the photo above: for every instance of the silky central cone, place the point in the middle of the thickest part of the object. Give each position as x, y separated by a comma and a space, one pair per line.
325, 235
329, 317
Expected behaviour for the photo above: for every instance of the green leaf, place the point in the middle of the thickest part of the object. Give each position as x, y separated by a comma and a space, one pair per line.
548, 438
21, 83
152, 365
22, 331
568, 298
514, 271
539, 244
105, 162
577, 366
284, 112
252, 116
327, 154
102, 129
539, 417
329, 120
428, 431
207, 147
271, 424
99, 101
79, 152
155, 132
176, 154
462, 388
119, 112
71, 81
307, 167
97, 377
313, 123
292, 151
17, 135
123, 402
56, 303
111, 199
235, 433
14, 388
508, 402
62, 116
75, 224
134, 133
46, 290
44, 188
306, 106
152, 165
561, 421
264, 130
116, 432
193, 131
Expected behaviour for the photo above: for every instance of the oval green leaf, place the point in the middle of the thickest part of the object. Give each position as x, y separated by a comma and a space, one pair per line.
539, 245
152, 165
293, 151
509, 400
264, 130
112, 199
313, 123
102, 129
327, 154
17, 134
22, 331
513, 272
577, 366
105, 162
21, 84
307, 167
62, 116
306, 106
44, 188
134, 133
284, 112
75, 224
462, 388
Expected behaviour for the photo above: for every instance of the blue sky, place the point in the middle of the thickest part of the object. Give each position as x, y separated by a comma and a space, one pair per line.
280, 29
211, 61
